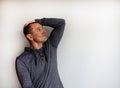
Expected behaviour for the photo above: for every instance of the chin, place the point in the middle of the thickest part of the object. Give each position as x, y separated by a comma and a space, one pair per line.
45, 39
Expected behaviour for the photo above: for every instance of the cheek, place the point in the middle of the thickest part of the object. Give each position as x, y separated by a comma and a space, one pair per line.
40, 36
36, 36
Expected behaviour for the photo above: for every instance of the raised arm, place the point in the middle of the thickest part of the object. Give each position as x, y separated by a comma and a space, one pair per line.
58, 25
23, 75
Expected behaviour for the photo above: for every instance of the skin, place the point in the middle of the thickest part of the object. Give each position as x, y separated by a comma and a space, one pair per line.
37, 36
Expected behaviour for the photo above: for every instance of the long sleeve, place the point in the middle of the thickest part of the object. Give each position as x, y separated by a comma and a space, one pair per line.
23, 75
58, 25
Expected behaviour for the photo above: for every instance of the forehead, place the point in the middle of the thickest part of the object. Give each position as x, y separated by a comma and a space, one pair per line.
35, 25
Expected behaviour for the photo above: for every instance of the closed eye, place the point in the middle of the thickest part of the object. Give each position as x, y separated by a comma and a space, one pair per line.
39, 29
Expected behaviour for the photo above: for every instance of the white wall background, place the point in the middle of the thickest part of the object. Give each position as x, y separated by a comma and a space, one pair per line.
89, 52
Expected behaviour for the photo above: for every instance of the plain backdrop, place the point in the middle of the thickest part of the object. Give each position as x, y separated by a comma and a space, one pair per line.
89, 52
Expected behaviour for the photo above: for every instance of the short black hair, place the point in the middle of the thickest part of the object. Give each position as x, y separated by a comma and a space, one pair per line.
27, 29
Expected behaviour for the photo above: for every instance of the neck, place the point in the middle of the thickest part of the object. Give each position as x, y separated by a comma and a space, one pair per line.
36, 45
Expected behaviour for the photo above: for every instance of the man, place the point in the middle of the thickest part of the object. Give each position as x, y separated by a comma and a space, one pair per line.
36, 67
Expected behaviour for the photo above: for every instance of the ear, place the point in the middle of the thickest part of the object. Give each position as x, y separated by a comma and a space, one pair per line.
29, 36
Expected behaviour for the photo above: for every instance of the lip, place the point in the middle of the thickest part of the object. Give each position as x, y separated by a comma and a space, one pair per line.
44, 34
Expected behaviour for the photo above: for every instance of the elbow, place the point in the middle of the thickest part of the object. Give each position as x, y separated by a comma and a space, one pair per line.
62, 22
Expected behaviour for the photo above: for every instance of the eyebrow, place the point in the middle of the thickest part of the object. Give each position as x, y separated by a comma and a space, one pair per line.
39, 27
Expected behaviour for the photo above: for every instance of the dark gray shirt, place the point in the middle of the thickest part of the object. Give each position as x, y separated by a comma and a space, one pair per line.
37, 68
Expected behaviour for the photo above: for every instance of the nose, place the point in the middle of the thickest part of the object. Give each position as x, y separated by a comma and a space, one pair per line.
43, 31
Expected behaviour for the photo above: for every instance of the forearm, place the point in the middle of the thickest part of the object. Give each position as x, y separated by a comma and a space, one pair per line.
52, 22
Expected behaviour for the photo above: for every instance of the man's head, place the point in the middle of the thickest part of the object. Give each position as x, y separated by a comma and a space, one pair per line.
34, 32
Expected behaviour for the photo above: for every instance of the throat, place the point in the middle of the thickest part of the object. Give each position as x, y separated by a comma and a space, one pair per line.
36, 45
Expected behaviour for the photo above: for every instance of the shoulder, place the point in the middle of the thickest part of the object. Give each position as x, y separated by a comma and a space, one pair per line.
24, 56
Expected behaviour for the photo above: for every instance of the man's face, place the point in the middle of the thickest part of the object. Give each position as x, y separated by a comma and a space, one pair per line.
38, 33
